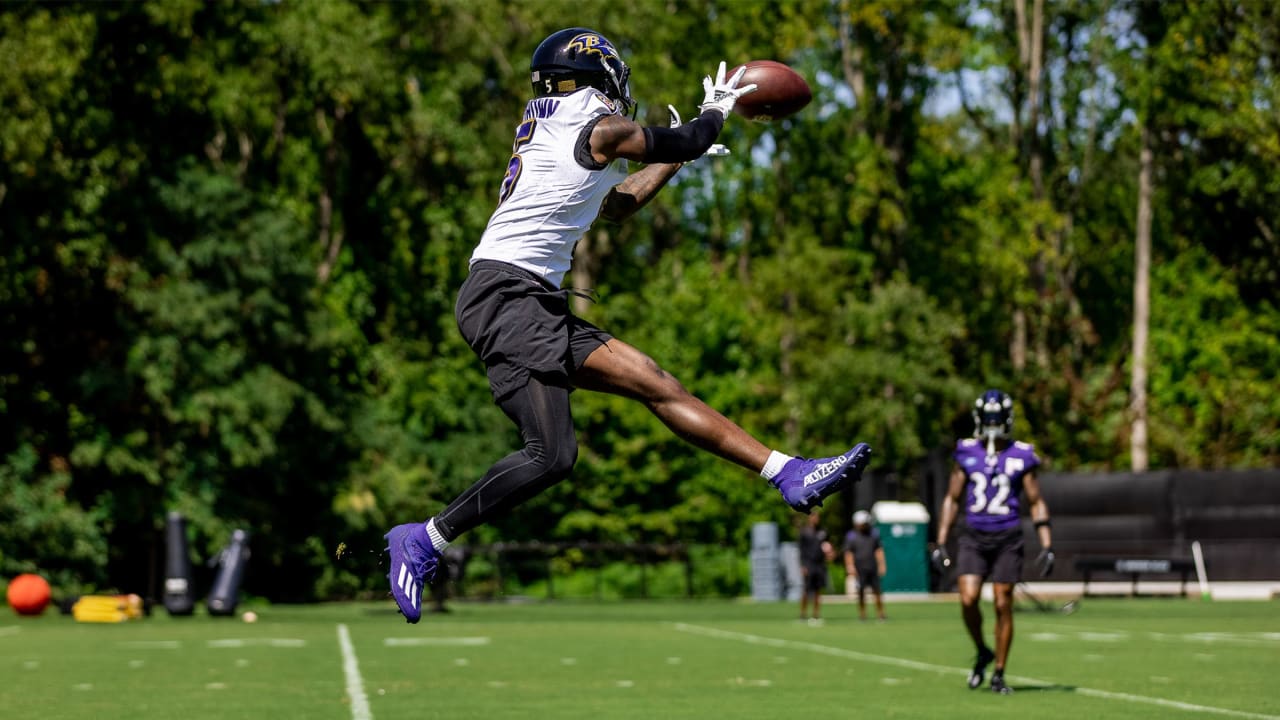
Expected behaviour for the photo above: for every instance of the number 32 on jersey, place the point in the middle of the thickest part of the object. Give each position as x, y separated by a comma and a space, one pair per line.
996, 504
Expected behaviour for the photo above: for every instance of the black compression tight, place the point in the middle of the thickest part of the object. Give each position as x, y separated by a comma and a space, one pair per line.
541, 412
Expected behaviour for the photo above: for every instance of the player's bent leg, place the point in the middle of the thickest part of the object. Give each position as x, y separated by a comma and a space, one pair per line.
541, 412
620, 369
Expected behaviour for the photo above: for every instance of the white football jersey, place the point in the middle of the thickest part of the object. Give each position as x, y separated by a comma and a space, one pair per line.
548, 200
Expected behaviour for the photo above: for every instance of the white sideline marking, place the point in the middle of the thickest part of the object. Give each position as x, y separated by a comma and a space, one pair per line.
269, 642
1254, 639
943, 669
355, 684
151, 644
421, 641
1258, 639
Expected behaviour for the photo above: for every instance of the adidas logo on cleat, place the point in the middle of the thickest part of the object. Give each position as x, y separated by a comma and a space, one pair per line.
407, 584
824, 471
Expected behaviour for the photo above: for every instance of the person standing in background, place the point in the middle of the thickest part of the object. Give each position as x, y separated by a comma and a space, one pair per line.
864, 563
815, 552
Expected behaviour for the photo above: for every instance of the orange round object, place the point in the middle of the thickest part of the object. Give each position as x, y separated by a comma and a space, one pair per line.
28, 594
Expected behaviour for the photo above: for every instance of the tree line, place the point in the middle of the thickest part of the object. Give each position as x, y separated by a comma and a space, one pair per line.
231, 235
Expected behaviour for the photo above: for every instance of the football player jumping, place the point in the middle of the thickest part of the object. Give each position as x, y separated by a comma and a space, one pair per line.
992, 470
568, 166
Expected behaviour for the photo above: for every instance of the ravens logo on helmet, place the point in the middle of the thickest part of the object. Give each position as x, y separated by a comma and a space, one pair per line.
574, 58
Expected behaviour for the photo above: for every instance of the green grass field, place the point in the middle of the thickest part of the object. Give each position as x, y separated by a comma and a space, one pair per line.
1151, 658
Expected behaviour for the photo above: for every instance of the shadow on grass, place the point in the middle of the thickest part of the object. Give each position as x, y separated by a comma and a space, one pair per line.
1043, 688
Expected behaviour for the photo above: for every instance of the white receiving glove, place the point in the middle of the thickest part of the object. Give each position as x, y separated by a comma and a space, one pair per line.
714, 150
721, 94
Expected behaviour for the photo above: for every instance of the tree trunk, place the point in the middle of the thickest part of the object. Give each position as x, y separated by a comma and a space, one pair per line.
1032, 325
1034, 63
1141, 313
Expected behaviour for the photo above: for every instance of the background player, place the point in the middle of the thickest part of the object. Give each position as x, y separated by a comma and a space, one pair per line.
991, 472
815, 552
568, 165
864, 563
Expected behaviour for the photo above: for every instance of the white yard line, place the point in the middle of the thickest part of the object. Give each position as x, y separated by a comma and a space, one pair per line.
151, 644
1256, 639
930, 667
355, 684
434, 641
262, 642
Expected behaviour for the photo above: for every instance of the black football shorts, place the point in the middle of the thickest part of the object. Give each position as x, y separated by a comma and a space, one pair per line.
519, 325
815, 579
995, 556
868, 580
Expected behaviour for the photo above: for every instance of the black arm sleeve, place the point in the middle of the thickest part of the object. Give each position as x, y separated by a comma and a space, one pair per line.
685, 143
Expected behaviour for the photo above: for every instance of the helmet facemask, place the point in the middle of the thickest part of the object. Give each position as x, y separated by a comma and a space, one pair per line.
621, 82
993, 418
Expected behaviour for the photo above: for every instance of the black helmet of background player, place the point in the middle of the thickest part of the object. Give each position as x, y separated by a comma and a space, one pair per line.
574, 58
993, 415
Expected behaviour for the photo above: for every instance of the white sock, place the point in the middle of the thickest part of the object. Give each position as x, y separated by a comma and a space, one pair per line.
437, 540
774, 464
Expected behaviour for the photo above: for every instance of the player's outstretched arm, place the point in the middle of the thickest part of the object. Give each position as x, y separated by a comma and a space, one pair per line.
617, 136
663, 149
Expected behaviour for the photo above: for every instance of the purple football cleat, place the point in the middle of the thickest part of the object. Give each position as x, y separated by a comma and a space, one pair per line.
413, 564
805, 483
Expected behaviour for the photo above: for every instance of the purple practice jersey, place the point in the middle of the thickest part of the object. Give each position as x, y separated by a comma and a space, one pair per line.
993, 482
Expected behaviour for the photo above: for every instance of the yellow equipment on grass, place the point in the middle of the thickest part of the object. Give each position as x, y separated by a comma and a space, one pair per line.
107, 608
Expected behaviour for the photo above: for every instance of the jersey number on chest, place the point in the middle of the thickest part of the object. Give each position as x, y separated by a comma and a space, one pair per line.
994, 505
997, 504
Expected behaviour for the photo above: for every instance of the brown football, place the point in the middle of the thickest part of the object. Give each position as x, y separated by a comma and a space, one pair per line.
780, 91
